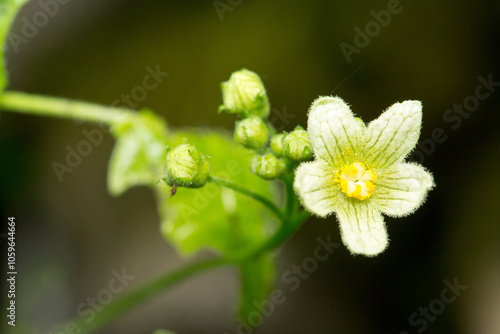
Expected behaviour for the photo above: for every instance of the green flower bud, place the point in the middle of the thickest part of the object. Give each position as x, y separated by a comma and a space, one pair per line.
266, 166
277, 144
251, 132
296, 145
186, 167
244, 94
286, 165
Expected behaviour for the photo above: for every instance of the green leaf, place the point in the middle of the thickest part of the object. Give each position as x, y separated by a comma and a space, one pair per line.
139, 153
8, 11
211, 216
258, 277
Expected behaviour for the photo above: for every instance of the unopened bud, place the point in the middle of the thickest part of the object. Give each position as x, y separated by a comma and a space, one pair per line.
266, 166
244, 94
277, 144
186, 167
251, 132
296, 145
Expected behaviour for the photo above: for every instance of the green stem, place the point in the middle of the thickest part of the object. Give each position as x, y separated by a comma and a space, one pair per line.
63, 108
289, 196
120, 306
291, 219
249, 193
283, 233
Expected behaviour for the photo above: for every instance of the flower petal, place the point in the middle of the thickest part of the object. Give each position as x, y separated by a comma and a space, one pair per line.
333, 132
392, 136
362, 228
315, 185
402, 189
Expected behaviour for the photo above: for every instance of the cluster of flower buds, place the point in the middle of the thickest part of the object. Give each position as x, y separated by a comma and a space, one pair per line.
275, 153
243, 94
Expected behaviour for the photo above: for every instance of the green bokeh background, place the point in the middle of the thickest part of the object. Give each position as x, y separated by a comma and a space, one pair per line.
71, 234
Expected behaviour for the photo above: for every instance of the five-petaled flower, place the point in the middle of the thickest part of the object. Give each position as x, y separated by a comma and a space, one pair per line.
359, 171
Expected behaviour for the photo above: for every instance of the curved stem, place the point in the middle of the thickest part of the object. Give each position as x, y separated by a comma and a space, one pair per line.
291, 221
247, 192
63, 108
122, 305
283, 233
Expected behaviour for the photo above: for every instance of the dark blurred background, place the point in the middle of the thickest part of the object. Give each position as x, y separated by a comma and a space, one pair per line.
72, 234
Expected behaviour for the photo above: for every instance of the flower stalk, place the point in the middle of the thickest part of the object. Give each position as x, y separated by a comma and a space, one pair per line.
63, 108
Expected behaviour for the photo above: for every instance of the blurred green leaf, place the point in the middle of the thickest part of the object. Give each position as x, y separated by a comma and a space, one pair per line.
258, 276
8, 11
139, 152
208, 217
215, 217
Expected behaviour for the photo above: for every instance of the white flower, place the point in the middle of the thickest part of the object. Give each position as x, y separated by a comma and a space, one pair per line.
359, 171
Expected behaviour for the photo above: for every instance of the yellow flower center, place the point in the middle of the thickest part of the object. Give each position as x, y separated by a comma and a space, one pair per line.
356, 180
